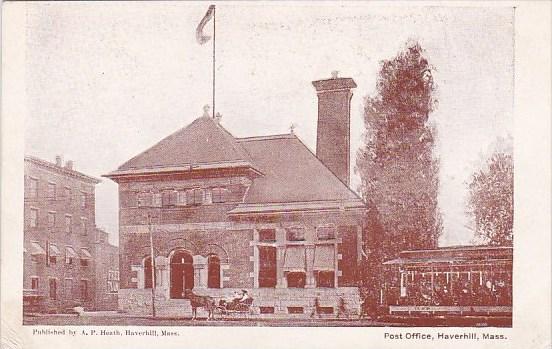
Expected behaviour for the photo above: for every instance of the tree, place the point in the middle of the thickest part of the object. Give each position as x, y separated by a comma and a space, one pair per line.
491, 200
398, 170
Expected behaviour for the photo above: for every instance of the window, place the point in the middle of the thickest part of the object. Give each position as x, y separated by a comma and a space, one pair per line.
53, 259
84, 225
51, 219
51, 190
266, 310
68, 194
68, 288
295, 310
267, 235
147, 273
295, 234
213, 272
156, 199
144, 199
83, 199
325, 310
198, 196
326, 232
34, 282
267, 266
113, 281
84, 289
53, 289
70, 255
296, 279
325, 279
168, 198
195, 196
182, 197
68, 224
85, 257
33, 188
33, 218
218, 195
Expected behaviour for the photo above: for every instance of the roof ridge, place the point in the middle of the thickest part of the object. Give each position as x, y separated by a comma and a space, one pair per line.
64, 170
266, 137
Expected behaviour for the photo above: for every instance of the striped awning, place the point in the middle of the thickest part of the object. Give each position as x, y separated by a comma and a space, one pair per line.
70, 252
294, 259
54, 251
324, 257
36, 249
85, 254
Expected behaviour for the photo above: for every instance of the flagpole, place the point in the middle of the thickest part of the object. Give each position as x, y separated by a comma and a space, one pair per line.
214, 40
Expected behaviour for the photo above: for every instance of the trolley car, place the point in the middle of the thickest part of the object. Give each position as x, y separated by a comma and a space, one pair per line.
461, 280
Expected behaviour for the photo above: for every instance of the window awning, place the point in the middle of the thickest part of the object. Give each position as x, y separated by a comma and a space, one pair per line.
70, 252
85, 254
294, 258
54, 251
324, 257
36, 249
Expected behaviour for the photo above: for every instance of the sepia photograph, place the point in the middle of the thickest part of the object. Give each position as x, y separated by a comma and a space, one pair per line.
192, 166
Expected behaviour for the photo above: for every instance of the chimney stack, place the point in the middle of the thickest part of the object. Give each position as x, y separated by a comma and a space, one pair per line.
333, 141
69, 164
59, 161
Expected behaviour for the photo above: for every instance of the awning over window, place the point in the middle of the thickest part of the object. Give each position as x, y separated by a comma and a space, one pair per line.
70, 252
324, 257
36, 249
85, 254
294, 258
54, 251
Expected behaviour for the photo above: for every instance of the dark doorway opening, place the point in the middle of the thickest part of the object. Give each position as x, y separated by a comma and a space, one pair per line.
182, 274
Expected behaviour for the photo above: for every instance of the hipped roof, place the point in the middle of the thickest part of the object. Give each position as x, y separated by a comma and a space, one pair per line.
203, 141
288, 172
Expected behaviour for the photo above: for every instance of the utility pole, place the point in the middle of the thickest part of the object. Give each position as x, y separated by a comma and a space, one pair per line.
152, 267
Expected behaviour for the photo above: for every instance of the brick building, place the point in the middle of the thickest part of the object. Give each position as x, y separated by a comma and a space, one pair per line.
106, 268
59, 237
259, 213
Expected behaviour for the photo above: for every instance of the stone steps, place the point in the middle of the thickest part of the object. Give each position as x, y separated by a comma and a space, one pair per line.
174, 308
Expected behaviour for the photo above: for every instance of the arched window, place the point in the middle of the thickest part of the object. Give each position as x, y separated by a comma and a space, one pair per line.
213, 272
147, 273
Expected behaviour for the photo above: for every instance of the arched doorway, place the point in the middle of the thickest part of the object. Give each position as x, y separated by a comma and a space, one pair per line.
182, 273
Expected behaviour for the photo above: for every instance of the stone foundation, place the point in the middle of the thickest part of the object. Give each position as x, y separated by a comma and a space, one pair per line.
138, 302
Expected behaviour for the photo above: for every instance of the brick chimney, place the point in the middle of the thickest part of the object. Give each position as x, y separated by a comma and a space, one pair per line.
333, 141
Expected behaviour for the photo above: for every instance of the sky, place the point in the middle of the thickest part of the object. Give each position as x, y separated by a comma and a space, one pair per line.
105, 81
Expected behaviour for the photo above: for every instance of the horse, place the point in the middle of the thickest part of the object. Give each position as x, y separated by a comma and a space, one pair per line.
197, 301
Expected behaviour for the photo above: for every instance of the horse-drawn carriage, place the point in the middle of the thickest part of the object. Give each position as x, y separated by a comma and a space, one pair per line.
223, 308
234, 308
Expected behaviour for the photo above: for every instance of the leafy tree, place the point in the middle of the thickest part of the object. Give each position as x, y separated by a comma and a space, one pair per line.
399, 173
491, 200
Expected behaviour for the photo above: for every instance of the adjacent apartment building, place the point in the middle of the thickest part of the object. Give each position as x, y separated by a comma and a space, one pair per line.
265, 214
61, 242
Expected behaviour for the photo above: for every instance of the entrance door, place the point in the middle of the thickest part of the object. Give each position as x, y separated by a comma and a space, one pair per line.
182, 274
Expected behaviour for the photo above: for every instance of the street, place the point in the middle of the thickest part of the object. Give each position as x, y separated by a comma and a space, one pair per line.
115, 319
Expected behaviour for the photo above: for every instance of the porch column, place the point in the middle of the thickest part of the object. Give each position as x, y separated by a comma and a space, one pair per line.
162, 275
310, 282
200, 272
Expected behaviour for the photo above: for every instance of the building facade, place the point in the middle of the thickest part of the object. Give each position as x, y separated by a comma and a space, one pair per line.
263, 214
59, 237
106, 271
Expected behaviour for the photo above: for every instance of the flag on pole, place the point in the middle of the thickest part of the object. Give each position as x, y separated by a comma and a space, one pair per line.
202, 38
